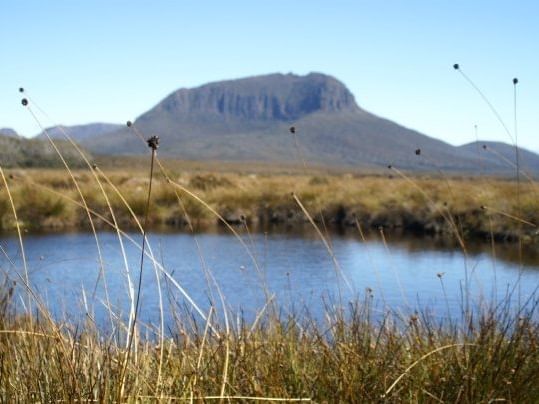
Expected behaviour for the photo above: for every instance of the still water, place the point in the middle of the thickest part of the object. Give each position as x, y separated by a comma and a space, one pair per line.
295, 270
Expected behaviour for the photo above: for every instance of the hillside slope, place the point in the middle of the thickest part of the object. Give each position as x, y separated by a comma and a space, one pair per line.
502, 153
248, 120
80, 132
22, 152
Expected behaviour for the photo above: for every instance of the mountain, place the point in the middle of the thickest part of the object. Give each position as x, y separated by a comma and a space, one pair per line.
8, 132
22, 152
80, 133
249, 119
497, 152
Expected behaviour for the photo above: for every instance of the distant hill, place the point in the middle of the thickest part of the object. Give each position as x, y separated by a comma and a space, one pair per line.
497, 152
8, 132
22, 152
80, 132
248, 120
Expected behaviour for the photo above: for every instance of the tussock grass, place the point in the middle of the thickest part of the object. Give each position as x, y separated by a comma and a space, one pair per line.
481, 207
348, 358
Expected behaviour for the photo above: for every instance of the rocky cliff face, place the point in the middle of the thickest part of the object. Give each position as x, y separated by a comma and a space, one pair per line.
272, 97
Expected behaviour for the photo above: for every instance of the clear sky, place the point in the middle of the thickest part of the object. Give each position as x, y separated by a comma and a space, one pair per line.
110, 61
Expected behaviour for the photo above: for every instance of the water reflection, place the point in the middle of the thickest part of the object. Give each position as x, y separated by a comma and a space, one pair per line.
407, 273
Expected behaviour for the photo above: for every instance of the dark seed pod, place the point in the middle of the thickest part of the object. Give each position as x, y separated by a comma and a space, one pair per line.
129, 123
292, 129
485, 147
417, 152
24, 102
515, 80
390, 166
21, 90
153, 142
456, 66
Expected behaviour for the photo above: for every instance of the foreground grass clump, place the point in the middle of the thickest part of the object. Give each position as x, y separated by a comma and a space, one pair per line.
348, 358
476, 207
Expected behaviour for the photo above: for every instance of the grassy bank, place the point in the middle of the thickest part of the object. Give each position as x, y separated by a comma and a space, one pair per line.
348, 358
461, 207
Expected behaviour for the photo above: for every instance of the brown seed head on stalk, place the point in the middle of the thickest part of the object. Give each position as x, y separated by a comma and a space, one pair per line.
21, 90
153, 142
129, 123
417, 152
456, 66
292, 129
24, 102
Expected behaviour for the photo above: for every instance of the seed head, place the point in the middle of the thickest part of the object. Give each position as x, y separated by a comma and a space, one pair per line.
390, 166
24, 102
417, 152
292, 129
515, 80
21, 90
485, 147
153, 142
129, 123
456, 66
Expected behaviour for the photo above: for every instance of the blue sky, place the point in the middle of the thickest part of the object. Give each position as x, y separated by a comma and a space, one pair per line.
109, 61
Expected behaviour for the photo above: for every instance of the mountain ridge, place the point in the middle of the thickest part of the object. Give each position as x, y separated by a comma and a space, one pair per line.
9, 132
248, 119
79, 132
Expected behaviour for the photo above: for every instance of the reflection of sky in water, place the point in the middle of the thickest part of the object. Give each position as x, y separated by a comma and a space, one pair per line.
297, 270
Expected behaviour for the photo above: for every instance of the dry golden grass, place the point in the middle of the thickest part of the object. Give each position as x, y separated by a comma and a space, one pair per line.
346, 359
474, 206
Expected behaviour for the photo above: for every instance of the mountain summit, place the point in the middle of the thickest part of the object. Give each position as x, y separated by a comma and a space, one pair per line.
272, 97
248, 120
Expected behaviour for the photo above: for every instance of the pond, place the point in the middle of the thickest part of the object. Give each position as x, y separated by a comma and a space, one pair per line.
293, 269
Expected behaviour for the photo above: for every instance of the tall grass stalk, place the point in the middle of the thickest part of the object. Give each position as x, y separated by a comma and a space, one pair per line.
19, 235
79, 191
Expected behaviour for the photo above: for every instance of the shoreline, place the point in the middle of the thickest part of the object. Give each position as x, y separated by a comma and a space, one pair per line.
466, 209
